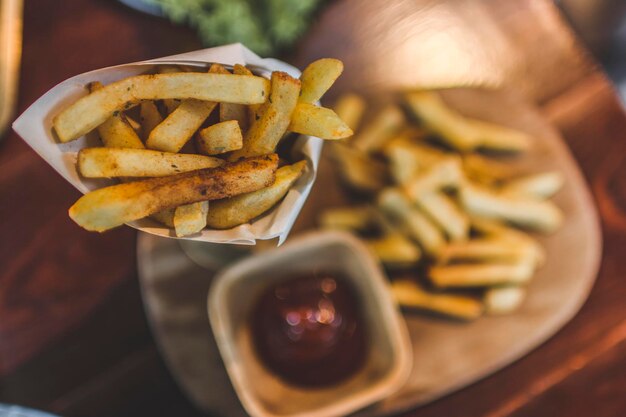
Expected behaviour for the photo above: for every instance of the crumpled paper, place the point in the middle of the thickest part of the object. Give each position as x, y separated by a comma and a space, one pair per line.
35, 127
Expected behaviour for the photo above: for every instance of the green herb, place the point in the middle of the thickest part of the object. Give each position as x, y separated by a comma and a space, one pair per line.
265, 26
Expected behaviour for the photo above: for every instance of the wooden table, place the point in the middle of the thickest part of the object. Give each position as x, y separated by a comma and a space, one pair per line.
73, 335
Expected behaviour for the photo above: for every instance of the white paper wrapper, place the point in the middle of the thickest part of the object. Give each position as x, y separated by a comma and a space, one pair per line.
35, 127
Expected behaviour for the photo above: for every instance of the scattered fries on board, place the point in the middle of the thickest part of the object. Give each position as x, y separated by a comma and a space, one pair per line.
182, 137
442, 199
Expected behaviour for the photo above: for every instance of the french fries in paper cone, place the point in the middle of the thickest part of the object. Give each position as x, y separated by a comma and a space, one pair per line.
35, 126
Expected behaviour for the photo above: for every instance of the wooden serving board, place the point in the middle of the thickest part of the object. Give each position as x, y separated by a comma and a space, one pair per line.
447, 355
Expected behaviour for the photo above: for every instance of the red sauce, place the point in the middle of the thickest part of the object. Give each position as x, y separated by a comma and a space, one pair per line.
309, 330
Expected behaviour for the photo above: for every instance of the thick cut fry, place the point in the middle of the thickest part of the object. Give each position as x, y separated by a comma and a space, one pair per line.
485, 170
116, 131
165, 217
410, 295
393, 202
357, 169
380, 130
441, 120
232, 212
488, 249
124, 162
504, 300
445, 213
219, 138
499, 138
90, 111
395, 251
150, 118
230, 111
318, 77
346, 218
253, 110
538, 215
113, 206
407, 159
480, 275
265, 133
350, 109
317, 121
445, 174
190, 218
543, 185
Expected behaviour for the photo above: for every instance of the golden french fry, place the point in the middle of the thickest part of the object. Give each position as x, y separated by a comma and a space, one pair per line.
449, 125
126, 162
410, 294
483, 274
90, 111
317, 78
150, 118
317, 121
393, 202
543, 185
445, 213
116, 131
190, 218
357, 169
219, 138
346, 218
394, 250
543, 216
445, 174
504, 300
109, 207
381, 129
485, 170
488, 249
253, 110
350, 109
232, 212
407, 159
499, 138
265, 133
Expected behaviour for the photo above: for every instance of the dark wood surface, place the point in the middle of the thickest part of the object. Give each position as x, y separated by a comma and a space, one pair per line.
73, 335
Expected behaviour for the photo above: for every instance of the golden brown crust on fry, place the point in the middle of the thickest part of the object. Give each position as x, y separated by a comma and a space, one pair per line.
113, 206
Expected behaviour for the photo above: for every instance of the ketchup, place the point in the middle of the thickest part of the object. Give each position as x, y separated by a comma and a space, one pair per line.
309, 330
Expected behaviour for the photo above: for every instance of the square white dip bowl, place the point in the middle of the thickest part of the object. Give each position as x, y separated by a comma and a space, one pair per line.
235, 291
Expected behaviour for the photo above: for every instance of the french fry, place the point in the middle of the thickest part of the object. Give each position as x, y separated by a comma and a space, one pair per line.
543, 185
253, 110
265, 133
449, 125
357, 169
180, 125
190, 218
116, 131
346, 218
109, 207
542, 216
504, 300
317, 121
483, 274
231, 111
409, 294
170, 104
127, 162
220, 138
407, 159
150, 118
488, 249
445, 213
485, 170
92, 110
394, 250
445, 174
317, 78
499, 138
381, 129
350, 109
393, 202
234, 211
165, 217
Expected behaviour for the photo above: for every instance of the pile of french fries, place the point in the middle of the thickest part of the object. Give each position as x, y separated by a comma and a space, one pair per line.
440, 199
181, 137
